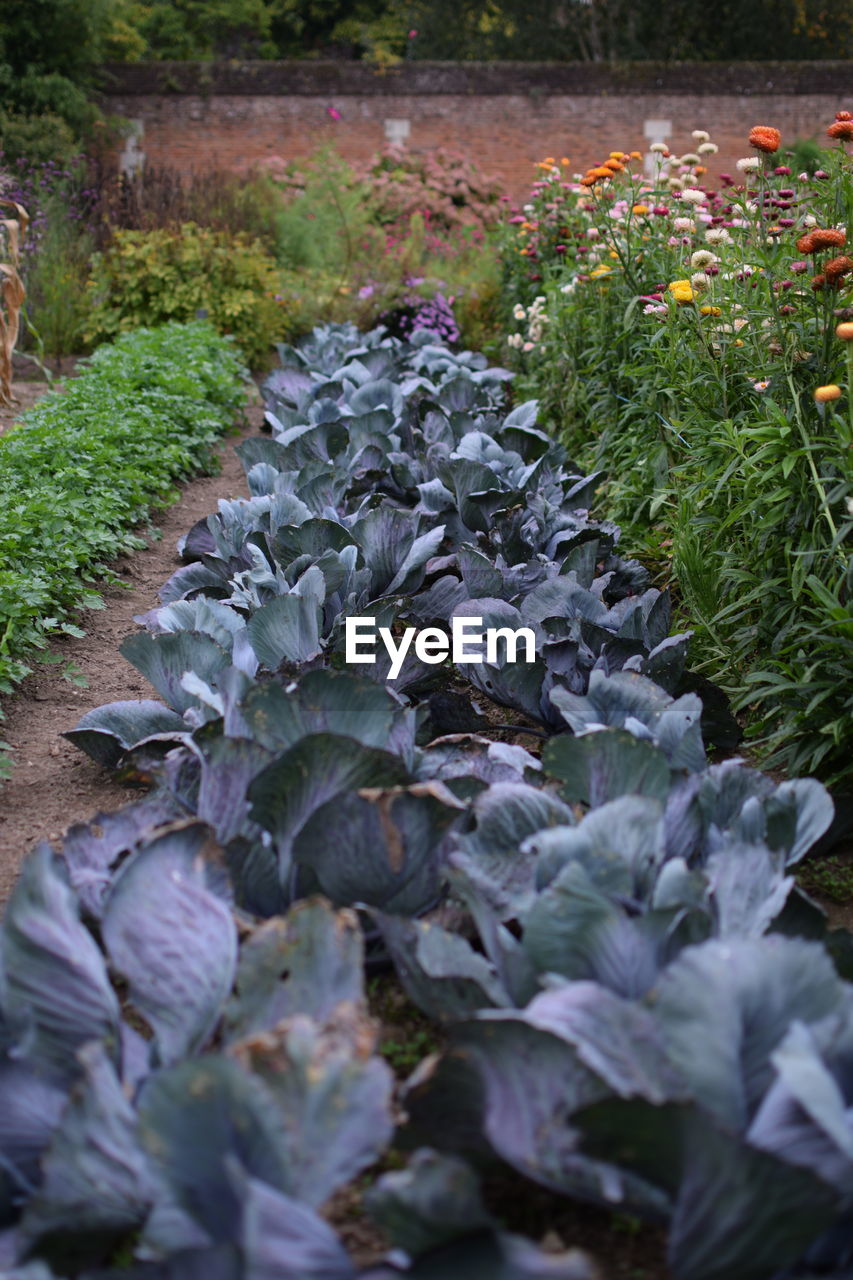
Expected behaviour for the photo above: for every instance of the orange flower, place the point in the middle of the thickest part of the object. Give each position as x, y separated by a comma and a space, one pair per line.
640, 208
636, 155
819, 282
765, 138
841, 129
614, 166
844, 331
843, 115
831, 391
838, 267
821, 238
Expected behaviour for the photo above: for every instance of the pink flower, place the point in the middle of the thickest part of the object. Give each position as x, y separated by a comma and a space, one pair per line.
782, 171
412, 33
799, 268
762, 384
333, 113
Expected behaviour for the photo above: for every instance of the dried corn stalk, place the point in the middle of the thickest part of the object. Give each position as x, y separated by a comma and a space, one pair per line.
12, 292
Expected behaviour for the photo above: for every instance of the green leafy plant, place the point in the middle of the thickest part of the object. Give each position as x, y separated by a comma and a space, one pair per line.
151, 277
85, 467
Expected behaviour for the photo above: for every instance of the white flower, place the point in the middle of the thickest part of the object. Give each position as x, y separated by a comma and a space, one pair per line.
749, 164
751, 207
683, 224
659, 148
762, 384
809, 220
692, 195
514, 340
689, 159
675, 184
518, 312
699, 280
718, 235
703, 258
593, 233
699, 135
849, 504
570, 287
655, 309
708, 149
528, 346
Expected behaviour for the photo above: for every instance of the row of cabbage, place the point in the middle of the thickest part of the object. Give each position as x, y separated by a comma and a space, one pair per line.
642, 1009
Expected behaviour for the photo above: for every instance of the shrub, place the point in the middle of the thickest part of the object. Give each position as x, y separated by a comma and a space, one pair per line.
151, 277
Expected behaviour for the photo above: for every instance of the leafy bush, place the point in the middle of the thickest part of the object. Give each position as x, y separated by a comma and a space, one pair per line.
678, 336
84, 467
151, 277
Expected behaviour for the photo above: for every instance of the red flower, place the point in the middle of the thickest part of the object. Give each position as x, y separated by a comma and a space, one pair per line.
841, 129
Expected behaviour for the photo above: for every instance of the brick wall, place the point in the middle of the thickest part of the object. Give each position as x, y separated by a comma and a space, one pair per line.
506, 116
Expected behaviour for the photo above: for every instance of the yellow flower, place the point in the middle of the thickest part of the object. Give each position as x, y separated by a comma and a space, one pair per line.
823, 395
601, 270
616, 155
681, 290
710, 311
640, 208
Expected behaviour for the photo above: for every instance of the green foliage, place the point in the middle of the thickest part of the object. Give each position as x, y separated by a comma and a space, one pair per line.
151, 277
55, 280
832, 877
84, 468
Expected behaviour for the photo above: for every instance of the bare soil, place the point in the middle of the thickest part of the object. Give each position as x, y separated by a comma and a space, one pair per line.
24, 396
52, 783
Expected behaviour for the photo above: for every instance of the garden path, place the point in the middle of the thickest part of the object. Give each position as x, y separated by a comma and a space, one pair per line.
52, 784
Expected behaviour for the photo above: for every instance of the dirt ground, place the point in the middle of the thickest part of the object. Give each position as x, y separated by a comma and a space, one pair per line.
52, 783
24, 396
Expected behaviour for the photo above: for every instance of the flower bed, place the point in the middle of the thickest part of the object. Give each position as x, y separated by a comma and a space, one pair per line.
691, 336
642, 1009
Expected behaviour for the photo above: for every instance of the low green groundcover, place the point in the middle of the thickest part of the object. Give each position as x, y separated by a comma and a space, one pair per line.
83, 469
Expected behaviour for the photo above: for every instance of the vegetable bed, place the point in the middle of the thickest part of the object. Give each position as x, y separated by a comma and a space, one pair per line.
637, 1006
83, 468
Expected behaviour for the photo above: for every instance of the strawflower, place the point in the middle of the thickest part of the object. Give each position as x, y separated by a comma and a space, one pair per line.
836, 268
823, 395
765, 138
749, 164
844, 331
681, 290
821, 238
842, 129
